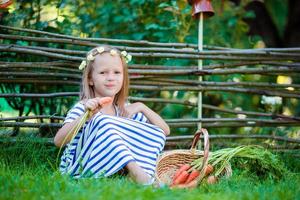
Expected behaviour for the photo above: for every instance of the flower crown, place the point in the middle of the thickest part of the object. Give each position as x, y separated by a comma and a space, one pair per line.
100, 50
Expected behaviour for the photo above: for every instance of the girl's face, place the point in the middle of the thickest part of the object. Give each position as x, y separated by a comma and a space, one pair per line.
107, 75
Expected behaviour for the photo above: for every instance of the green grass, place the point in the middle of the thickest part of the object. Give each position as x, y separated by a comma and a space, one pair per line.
27, 171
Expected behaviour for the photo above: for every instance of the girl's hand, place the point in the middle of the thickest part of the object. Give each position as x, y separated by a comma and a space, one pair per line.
132, 109
152, 116
95, 104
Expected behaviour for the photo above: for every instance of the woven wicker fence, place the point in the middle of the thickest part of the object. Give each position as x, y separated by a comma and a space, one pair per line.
39, 74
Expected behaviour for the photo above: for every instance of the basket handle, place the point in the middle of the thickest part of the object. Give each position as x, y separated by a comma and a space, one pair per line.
205, 151
196, 140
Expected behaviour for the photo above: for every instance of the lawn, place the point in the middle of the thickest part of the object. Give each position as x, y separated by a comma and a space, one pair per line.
27, 171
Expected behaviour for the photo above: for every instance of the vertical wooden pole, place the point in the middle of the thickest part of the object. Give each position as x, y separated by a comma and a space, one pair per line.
200, 64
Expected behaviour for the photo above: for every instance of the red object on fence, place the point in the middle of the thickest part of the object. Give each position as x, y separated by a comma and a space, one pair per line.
201, 6
5, 3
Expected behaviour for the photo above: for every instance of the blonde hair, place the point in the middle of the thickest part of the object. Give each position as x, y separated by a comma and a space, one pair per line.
87, 91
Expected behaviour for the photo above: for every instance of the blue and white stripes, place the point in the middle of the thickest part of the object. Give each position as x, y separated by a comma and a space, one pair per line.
74, 113
107, 143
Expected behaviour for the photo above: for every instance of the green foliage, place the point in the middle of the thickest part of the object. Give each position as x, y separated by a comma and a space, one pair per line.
160, 21
168, 21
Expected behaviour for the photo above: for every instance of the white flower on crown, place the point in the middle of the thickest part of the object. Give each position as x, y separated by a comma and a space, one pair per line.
124, 53
100, 50
90, 57
82, 65
127, 56
113, 52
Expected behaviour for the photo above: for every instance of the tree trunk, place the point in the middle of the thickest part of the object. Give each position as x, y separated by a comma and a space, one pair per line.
263, 25
292, 30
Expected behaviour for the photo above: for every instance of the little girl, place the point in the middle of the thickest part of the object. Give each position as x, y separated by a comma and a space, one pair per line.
116, 136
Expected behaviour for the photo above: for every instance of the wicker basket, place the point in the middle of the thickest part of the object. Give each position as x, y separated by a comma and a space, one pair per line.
169, 162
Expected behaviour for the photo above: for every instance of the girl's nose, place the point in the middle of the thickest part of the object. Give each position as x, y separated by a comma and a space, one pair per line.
110, 76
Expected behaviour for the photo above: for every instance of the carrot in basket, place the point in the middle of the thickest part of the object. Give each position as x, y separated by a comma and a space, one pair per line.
212, 179
181, 169
209, 169
193, 175
183, 176
190, 185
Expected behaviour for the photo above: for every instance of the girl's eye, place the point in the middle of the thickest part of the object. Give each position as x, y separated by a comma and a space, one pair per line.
117, 72
101, 72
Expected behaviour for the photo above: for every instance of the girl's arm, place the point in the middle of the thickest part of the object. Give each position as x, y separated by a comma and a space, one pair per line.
152, 116
93, 105
63, 132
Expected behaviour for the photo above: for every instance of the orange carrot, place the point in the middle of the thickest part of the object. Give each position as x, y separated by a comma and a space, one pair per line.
181, 169
212, 179
193, 175
190, 185
181, 178
105, 100
209, 169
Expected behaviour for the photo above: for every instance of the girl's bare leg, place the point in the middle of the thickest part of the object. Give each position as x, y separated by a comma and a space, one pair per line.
137, 173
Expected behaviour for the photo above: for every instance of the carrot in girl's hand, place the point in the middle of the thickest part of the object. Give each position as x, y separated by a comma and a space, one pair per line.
181, 169
193, 175
181, 178
105, 100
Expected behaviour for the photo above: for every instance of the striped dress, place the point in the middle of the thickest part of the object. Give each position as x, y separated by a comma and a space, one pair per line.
107, 143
